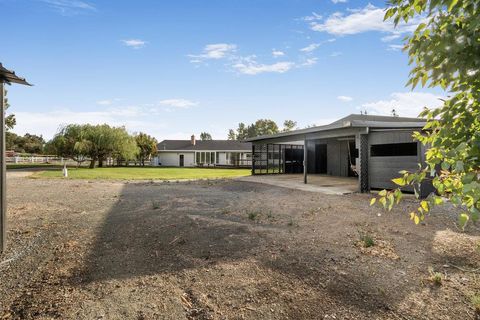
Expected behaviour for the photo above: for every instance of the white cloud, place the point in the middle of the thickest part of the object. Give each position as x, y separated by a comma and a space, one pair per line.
345, 98
339, 1
310, 62
134, 43
369, 18
106, 102
277, 53
48, 123
310, 48
214, 51
69, 7
335, 54
313, 17
406, 104
178, 103
395, 47
390, 37
248, 65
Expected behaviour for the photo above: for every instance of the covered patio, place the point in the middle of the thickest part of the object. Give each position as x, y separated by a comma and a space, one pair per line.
321, 183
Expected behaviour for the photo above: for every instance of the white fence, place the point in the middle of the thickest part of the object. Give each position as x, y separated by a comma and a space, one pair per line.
36, 159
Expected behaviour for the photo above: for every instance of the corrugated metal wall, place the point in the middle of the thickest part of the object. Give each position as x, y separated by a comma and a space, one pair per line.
383, 169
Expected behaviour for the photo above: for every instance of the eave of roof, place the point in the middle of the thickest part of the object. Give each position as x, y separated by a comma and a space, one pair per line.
354, 123
10, 77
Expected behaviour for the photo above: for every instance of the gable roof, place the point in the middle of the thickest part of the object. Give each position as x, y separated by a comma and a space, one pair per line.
354, 120
212, 145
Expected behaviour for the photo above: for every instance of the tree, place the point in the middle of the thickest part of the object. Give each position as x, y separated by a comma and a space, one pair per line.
10, 120
444, 52
95, 142
147, 147
71, 142
289, 125
205, 136
232, 135
259, 128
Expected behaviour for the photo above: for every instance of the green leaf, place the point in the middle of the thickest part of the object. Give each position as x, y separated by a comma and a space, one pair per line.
452, 4
372, 202
462, 220
399, 181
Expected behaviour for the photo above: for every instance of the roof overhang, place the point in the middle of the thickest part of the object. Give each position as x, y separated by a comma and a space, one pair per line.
339, 128
10, 77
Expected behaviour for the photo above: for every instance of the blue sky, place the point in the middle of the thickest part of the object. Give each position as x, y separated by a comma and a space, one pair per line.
173, 68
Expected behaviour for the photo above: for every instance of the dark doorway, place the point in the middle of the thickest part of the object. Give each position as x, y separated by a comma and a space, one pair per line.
294, 160
321, 158
182, 160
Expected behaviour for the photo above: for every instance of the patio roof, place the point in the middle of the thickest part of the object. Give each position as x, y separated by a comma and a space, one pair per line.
10, 76
353, 121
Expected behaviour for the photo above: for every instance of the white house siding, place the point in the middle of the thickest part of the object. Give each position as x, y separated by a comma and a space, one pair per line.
172, 159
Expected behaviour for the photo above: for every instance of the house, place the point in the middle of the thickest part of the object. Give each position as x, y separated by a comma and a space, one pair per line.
203, 153
372, 149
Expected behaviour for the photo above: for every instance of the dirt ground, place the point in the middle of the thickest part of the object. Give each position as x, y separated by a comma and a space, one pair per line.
226, 250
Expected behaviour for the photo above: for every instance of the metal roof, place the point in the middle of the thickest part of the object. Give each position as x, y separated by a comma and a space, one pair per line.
355, 121
212, 145
10, 76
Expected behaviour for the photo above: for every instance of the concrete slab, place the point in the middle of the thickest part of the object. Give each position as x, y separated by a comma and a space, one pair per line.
316, 182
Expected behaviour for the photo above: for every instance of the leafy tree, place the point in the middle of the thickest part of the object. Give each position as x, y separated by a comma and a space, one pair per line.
259, 128
205, 136
444, 52
232, 135
289, 125
10, 120
95, 142
147, 147
29, 143
71, 142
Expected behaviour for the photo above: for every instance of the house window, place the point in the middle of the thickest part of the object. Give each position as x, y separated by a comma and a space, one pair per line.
394, 149
217, 157
197, 155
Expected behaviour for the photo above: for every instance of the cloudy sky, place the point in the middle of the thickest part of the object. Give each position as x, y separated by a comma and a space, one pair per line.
173, 68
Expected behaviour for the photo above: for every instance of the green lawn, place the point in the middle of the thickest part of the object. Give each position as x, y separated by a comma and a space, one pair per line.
147, 173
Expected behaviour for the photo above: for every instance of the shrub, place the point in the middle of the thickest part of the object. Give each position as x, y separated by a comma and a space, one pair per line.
435, 277
367, 240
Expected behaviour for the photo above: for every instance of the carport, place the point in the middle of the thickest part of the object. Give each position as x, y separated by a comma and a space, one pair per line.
369, 150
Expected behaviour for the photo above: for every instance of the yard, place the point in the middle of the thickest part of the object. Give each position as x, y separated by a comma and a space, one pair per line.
226, 249
146, 173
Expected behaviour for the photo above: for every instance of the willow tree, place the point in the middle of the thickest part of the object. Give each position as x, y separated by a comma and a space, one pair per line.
444, 52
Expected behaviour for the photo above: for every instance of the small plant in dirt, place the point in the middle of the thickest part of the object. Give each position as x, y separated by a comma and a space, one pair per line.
476, 304
252, 215
155, 205
367, 240
435, 277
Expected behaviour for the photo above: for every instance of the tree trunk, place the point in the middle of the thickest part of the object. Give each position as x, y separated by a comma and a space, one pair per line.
100, 162
92, 163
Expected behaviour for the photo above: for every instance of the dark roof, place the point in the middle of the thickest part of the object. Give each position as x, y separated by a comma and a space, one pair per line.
354, 120
186, 145
10, 76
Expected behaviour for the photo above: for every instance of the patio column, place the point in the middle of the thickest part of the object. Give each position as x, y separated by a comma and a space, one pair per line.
3, 169
305, 157
364, 184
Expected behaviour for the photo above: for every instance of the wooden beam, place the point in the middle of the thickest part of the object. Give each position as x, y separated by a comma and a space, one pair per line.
3, 176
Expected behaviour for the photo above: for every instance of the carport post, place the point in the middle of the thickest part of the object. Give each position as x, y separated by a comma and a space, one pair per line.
3, 169
305, 161
6, 76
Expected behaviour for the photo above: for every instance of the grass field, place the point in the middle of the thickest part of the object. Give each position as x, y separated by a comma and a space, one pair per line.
147, 173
